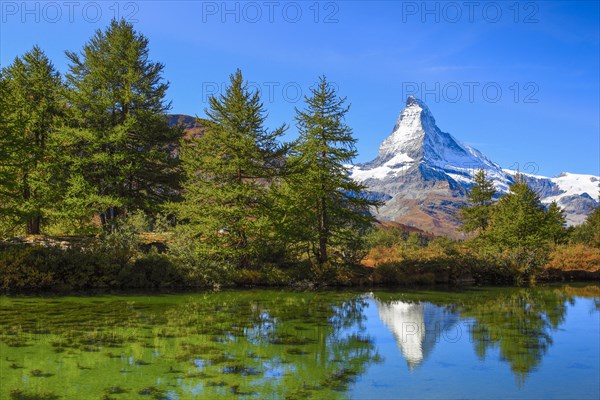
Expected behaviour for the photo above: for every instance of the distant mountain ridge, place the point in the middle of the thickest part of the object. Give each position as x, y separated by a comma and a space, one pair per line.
190, 125
423, 176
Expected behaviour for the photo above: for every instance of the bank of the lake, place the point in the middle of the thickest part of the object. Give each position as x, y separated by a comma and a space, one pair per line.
50, 264
498, 342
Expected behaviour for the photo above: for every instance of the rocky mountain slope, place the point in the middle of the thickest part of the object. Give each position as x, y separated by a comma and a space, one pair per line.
190, 125
423, 175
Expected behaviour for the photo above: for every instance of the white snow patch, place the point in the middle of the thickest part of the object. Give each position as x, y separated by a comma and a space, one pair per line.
396, 165
514, 173
577, 184
361, 175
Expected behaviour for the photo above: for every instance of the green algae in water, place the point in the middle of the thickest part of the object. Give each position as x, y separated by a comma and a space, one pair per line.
170, 346
18, 394
258, 344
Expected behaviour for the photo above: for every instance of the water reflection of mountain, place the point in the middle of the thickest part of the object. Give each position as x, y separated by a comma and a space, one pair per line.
517, 324
416, 326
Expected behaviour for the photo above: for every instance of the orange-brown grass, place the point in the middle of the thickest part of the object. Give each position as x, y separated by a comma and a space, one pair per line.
583, 291
575, 257
382, 254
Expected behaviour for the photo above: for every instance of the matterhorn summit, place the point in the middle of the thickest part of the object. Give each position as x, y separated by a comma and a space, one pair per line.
423, 175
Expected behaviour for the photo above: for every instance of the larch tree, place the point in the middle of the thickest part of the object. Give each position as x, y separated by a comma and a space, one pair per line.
554, 223
121, 145
476, 216
228, 171
519, 219
326, 208
8, 143
589, 231
31, 110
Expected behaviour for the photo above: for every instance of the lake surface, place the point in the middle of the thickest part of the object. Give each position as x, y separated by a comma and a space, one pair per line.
526, 343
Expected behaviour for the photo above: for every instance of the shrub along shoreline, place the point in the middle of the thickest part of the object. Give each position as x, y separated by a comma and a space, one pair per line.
45, 264
91, 152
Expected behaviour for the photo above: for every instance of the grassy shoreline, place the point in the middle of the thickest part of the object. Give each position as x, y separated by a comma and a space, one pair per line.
64, 264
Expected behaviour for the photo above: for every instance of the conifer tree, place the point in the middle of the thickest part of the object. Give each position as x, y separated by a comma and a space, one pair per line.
121, 143
325, 206
7, 167
518, 219
31, 108
476, 217
554, 223
589, 231
521, 227
228, 170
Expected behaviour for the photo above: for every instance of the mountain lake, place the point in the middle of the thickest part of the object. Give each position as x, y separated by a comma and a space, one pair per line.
525, 343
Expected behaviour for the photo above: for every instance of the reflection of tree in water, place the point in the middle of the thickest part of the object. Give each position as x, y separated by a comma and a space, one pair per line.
519, 323
264, 344
590, 291
298, 344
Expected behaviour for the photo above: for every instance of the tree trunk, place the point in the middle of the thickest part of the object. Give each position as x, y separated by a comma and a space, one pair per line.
103, 219
33, 226
323, 232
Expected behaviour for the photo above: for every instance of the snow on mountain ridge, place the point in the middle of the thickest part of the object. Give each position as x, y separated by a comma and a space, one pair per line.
567, 184
424, 175
416, 139
578, 184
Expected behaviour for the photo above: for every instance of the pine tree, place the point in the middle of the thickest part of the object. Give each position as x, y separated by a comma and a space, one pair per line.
518, 219
8, 139
554, 223
325, 207
228, 170
31, 109
589, 231
121, 144
476, 217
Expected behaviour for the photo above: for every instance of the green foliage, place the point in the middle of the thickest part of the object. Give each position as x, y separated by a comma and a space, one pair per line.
414, 241
228, 170
521, 229
554, 224
30, 109
518, 219
120, 144
386, 237
476, 218
153, 270
321, 207
201, 265
96, 151
443, 245
51, 268
588, 232
122, 242
114, 259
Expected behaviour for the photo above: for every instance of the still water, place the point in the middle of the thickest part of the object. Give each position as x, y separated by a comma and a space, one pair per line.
526, 343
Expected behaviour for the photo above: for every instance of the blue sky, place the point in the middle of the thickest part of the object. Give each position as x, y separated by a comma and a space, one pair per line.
518, 81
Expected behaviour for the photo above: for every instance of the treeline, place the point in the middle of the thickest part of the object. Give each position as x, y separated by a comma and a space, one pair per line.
512, 239
88, 152
86, 148
520, 226
89, 158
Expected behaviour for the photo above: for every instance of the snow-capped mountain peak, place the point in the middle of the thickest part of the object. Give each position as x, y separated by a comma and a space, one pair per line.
416, 139
423, 174
408, 135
